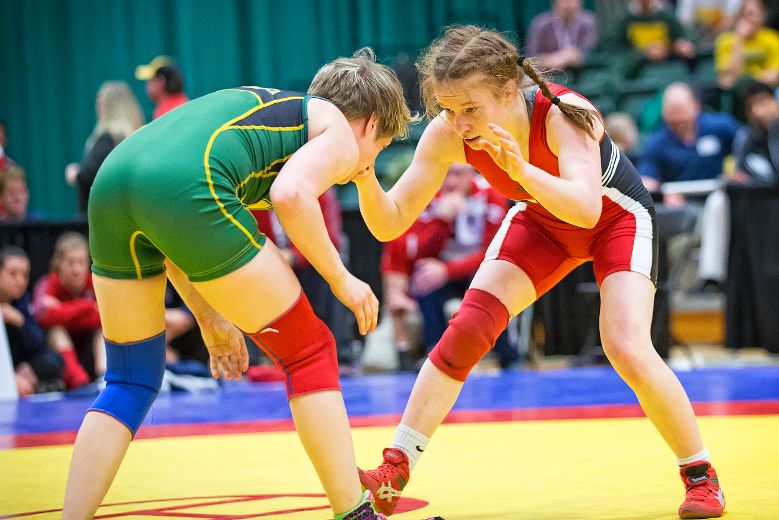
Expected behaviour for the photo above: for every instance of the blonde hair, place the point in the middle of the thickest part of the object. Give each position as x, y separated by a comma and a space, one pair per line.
11, 172
67, 242
119, 114
466, 50
360, 87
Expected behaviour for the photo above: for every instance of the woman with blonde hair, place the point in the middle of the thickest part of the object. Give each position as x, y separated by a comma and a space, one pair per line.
118, 115
64, 304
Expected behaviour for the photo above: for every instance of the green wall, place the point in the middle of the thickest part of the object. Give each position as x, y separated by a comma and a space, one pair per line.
54, 54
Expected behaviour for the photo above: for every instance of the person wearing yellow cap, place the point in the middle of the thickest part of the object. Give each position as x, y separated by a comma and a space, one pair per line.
164, 84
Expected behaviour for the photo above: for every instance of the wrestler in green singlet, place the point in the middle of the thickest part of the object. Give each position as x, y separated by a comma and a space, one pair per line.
204, 164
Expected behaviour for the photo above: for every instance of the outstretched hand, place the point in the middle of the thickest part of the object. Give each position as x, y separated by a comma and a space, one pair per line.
226, 346
506, 153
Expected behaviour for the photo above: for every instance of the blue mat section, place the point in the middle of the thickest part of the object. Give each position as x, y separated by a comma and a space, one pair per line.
387, 394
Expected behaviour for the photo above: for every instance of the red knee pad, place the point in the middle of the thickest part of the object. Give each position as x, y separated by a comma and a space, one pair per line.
471, 333
303, 347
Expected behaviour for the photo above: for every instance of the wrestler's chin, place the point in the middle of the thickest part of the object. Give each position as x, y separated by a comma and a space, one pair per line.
474, 142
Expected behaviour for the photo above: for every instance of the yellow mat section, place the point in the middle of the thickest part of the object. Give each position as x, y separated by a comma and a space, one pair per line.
583, 469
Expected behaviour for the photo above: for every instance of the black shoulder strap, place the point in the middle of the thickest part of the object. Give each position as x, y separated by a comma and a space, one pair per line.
530, 100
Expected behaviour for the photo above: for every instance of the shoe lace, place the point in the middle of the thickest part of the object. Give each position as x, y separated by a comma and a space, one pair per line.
700, 491
386, 472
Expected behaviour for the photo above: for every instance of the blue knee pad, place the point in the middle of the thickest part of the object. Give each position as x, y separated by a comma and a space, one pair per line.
133, 378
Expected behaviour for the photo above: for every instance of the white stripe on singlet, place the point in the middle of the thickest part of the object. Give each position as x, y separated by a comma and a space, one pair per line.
642, 255
608, 175
497, 240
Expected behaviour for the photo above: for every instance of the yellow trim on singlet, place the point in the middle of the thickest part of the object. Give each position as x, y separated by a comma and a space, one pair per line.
211, 182
228, 126
250, 92
136, 263
263, 127
288, 98
262, 173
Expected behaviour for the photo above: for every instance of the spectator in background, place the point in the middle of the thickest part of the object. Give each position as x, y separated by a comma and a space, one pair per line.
624, 133
437, 257
647, 32
750, 49
757, 146
64, 304
756, 149
706, 19
118, 115
691, 146
560, 38
15, 196
164, 84
36, 368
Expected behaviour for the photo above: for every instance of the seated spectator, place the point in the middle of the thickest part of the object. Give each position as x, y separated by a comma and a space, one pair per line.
748, 52
706, 19
325, 304
691, 146
647, 32
560, 38
756, 150
118, 115
36, 367
624, 133
64, 304
757, 146
750, 49
437, 257
164, 84
15, 196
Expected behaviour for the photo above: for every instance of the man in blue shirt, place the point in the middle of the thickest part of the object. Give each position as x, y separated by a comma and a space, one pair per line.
692, 146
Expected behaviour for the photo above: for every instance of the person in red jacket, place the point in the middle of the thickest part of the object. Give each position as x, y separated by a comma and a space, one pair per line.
437, 257
64, 304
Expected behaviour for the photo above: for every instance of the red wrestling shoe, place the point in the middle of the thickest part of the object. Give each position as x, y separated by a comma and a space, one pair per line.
388, 480
704, 496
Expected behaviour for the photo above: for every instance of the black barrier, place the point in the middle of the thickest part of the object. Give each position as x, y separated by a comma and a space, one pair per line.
38, 238
752, 288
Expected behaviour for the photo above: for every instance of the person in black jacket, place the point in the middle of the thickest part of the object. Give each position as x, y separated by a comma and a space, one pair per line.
756, 148
118, 115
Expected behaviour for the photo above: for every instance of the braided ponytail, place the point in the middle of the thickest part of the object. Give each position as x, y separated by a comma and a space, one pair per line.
582, 117
466, 50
